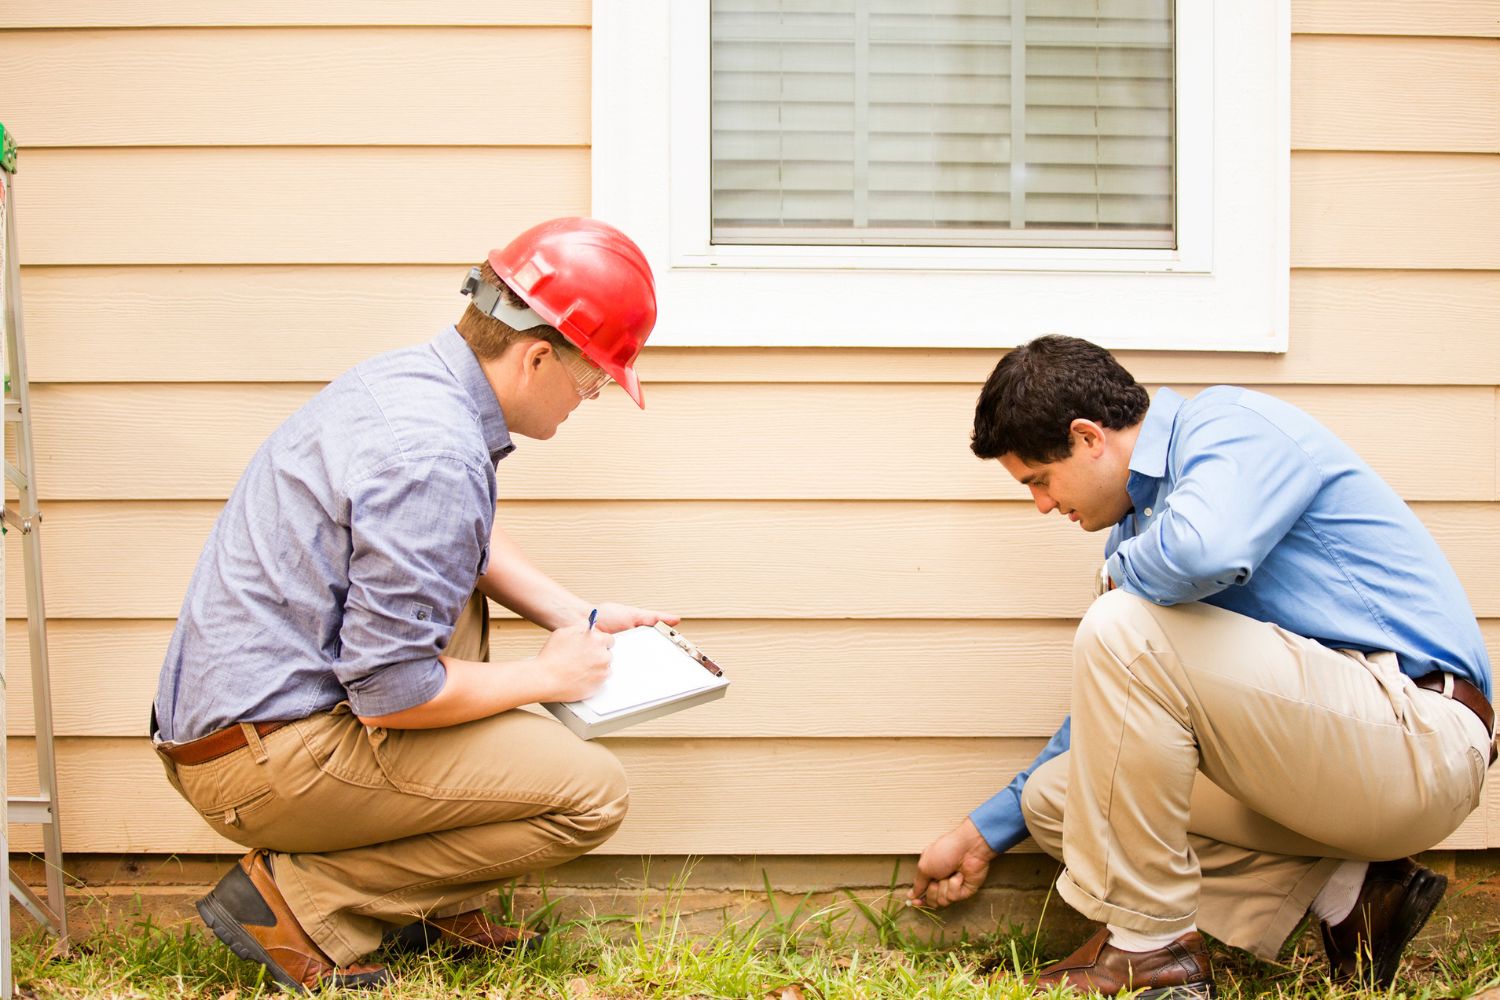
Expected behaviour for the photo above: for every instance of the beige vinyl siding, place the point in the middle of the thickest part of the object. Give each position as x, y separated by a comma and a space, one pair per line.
1414, 211
223, 13
811, 796
224, 205
1479, 18
1426, 90
359, 77
205, 433
303, 205
894, 558
1348, 327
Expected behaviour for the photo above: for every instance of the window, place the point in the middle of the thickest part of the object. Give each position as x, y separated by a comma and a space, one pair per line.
881, 122
964, 173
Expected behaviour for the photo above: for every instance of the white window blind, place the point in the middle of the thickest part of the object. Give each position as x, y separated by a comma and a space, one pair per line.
1008, 123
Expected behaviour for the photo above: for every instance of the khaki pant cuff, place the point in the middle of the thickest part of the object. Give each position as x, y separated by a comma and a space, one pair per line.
300, 901
463, 906
1293, 908
1108, 913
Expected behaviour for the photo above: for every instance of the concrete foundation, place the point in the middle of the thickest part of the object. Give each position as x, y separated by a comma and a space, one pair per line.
852, 895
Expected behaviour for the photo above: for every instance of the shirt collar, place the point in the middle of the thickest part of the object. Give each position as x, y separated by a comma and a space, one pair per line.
459, 357
1148, 459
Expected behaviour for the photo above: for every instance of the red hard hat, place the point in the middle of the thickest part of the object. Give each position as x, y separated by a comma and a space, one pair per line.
592, 284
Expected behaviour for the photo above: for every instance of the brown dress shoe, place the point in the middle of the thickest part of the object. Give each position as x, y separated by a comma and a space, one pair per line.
475, 929
248, 913
469, 931
1394, 903
1179, 970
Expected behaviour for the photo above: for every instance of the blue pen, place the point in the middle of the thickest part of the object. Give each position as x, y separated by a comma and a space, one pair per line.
593, 617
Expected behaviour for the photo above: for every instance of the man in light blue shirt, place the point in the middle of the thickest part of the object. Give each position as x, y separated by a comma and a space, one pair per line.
1285, 689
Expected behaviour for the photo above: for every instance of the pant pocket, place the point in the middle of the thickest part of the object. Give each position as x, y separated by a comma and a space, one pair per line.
337, 743
1478, 766
226, 792
379, 741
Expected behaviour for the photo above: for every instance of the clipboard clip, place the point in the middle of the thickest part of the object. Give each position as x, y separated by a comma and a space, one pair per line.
681, 642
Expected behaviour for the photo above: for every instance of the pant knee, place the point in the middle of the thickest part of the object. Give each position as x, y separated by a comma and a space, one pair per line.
1037, 808
1043, 798
1115, 623
604, 807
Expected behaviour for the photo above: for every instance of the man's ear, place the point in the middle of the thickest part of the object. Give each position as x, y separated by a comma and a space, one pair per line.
533, 354
1089, 435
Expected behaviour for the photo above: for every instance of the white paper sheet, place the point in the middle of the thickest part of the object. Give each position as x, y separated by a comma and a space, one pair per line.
646, 667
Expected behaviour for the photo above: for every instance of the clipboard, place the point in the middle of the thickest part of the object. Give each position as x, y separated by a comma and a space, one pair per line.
655, 671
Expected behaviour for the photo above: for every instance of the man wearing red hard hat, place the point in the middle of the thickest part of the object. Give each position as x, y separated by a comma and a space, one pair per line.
327, 700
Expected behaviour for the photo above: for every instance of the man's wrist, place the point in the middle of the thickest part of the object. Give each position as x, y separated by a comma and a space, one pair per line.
977, 845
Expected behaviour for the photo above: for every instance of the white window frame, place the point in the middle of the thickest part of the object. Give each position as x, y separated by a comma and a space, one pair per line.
1223, 288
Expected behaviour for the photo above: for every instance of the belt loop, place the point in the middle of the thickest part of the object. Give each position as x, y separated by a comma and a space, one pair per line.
1448, 686
252, 740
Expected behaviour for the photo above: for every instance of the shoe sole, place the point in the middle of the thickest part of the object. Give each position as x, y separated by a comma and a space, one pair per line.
1427, 890
240, 941
1190, 991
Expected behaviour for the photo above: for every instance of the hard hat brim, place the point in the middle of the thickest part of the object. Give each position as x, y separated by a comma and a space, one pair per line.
629, 381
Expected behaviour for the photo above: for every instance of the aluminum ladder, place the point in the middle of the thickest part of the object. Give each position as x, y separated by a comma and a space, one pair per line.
26, 520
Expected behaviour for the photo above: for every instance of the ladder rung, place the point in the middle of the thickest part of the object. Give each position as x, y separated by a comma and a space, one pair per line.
13, 411
29, 809
15, 520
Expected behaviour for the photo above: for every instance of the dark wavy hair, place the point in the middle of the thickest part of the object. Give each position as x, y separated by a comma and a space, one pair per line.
1038, 390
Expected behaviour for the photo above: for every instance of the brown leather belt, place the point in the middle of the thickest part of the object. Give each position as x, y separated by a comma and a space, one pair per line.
1469, 697
214, 745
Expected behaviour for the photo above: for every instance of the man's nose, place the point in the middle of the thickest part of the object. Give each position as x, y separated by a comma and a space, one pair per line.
1044, 503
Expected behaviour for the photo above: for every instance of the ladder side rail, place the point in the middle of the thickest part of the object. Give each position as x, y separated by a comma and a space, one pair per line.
7, 988
36, 605
36, 608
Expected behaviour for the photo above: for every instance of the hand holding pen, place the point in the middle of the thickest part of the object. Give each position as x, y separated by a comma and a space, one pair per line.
611, 617
575, 660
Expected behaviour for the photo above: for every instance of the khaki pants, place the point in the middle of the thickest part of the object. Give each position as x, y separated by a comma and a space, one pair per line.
373, 828
1220, 768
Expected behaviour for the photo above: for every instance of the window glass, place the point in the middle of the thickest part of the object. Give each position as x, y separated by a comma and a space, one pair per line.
1008, 123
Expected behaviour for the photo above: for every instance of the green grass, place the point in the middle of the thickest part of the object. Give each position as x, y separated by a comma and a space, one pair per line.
851, 950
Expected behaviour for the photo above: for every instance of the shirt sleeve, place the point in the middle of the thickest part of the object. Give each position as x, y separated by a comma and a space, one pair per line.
999, 820
418, 531
1241, 485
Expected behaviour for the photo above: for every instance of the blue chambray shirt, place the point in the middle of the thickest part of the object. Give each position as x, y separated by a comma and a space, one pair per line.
339, 565
1245, 502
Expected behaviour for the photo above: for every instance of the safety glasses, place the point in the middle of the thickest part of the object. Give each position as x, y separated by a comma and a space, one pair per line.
588, 378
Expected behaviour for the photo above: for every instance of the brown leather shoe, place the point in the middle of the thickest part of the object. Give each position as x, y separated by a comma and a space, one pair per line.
472, 930
1394, 903
1179, 970
247, 912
